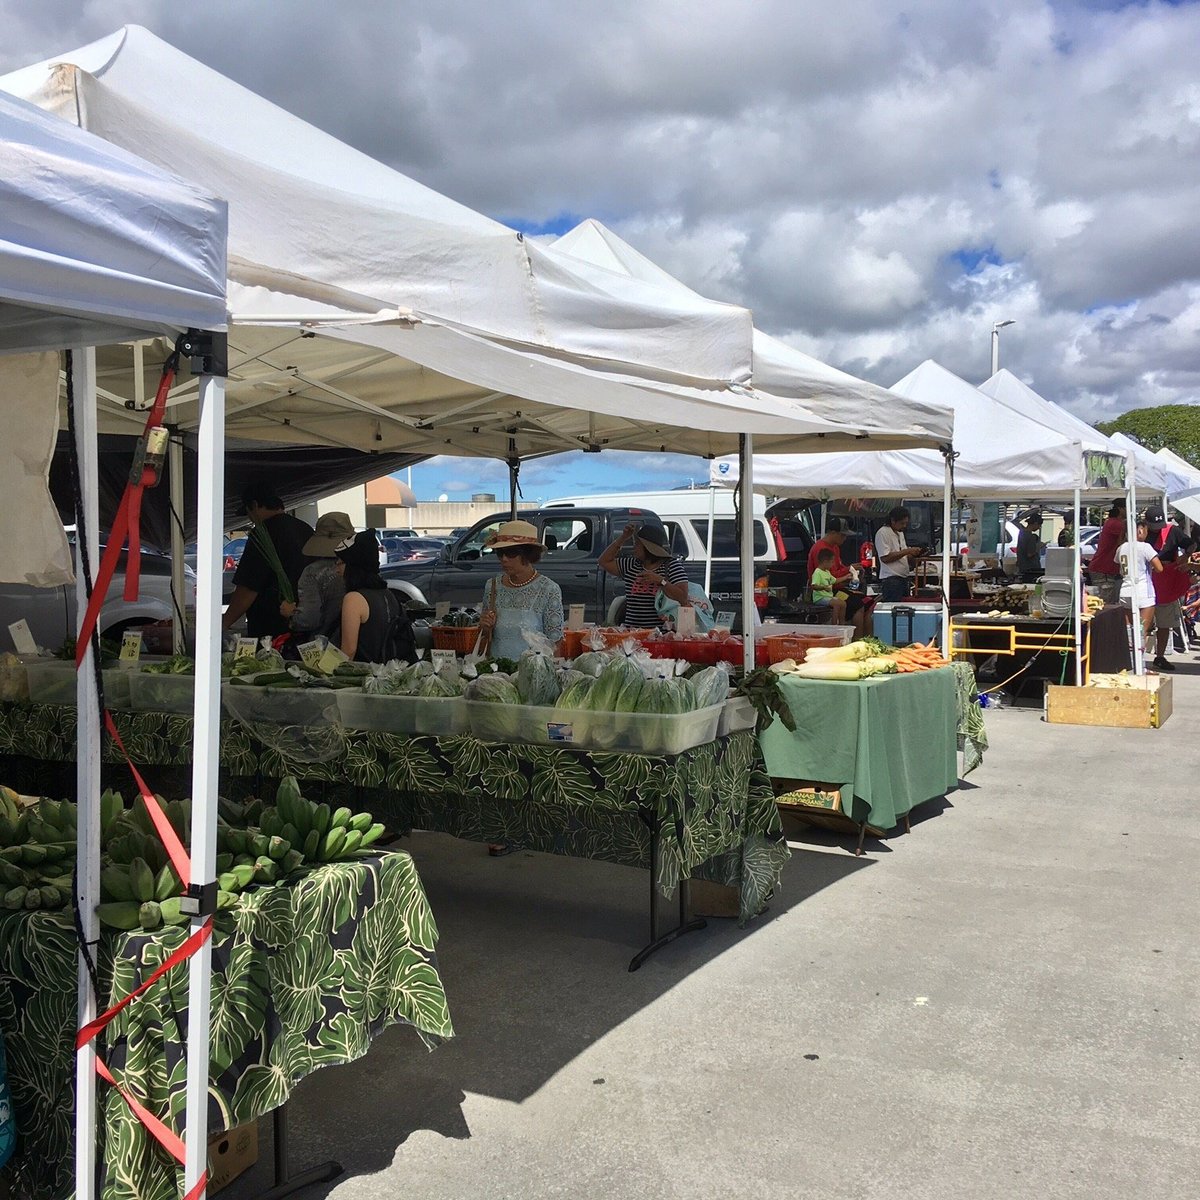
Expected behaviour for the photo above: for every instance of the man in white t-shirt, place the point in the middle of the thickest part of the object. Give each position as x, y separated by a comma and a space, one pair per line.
895, 556
1139, 560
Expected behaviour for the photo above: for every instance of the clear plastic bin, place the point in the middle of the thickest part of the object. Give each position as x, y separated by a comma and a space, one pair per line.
403, 714
737, 714
162, 693
51, 680
616, 732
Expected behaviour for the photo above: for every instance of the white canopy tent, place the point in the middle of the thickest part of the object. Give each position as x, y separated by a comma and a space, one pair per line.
865, 410
94, 246
441, 331
997, 454
1186, 500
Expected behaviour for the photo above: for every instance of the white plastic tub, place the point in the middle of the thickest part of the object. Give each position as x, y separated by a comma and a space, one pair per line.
402, 714
162, 693
626, 733
736, 714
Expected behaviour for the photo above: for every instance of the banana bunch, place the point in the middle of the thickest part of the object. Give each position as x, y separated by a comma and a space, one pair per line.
322, 833
37, 844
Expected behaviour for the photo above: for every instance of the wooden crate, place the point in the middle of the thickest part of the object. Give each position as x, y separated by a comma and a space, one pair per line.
1145, 705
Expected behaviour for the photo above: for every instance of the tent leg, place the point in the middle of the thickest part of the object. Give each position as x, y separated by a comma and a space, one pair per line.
210, 510
1139, 649
87, 771
947, 521
175, 481
1077, 593
746, 513
712, 508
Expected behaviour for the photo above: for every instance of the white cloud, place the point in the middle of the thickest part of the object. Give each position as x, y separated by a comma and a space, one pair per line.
878, 182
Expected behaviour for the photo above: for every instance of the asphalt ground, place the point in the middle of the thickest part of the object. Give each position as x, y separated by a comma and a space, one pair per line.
1001, 1003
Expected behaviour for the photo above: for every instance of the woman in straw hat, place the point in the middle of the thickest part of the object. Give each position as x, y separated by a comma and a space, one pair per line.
520, 599
651, 569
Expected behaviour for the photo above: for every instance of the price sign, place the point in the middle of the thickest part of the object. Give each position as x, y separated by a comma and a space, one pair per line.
442, 658
247, 647
558, 731
310, 655
575, 616
22, 637
131, 647
685, 621
725, 620
440, 609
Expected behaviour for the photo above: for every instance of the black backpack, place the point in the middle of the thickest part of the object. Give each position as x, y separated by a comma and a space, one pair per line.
399, 641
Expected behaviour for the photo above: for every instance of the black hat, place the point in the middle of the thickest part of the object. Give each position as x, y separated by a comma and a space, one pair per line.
259, 493
1155, 516
654, 538
361, 552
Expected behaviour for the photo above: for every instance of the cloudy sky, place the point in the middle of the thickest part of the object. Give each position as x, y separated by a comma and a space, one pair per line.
878, 181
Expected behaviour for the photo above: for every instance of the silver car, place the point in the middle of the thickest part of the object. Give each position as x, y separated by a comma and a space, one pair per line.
52, 613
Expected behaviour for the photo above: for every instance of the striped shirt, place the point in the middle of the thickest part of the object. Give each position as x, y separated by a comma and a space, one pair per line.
640, 597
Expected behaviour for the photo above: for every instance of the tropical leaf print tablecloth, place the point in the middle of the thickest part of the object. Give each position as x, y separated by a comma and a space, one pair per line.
712, 806
304, 976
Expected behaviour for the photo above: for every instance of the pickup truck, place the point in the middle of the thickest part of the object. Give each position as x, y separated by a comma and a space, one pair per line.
574, 539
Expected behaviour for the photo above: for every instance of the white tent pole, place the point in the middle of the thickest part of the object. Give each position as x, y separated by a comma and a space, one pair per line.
87, 769
175, 482
746, 511
712, 508
1077, 599
210, 509
946, 520
1139, 655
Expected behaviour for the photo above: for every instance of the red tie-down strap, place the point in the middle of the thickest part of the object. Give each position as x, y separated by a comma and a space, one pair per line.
126, 525
161, 1132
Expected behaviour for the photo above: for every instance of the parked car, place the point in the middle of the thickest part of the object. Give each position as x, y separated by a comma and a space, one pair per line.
410, 549
52, 612
384, 534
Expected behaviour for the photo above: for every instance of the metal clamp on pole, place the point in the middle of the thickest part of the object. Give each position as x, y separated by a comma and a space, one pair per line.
200, 900
208, 352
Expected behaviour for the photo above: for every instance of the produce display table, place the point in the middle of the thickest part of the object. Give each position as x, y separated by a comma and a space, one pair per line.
305, 975
708, 812
889, 742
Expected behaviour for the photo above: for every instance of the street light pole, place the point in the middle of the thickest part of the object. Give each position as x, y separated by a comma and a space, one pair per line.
996, 327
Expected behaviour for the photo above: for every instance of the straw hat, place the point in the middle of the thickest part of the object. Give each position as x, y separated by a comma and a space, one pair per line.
513, 533
332, 530
653, 539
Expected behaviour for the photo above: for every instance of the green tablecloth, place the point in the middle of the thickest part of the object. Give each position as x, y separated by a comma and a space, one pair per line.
890, 743
712, 807
305, 975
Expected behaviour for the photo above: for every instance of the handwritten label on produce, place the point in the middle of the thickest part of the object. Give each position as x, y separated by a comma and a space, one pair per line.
440, 609
22, 637
247, 647
310, 655
131, 646
557, 731
725, 620
442, 658
575, 616
685, 621
330, 660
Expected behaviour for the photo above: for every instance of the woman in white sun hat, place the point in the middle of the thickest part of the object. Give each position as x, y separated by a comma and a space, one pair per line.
520, 599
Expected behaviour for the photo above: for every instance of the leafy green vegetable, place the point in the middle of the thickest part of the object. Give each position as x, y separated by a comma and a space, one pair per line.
761, 688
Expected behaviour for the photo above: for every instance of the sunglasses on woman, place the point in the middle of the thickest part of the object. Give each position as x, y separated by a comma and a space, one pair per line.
509, 552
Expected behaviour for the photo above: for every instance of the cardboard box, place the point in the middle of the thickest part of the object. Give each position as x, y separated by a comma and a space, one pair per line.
1146, 704
230, 1154
708, 899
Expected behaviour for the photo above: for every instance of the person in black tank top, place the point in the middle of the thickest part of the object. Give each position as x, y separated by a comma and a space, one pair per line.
375, 625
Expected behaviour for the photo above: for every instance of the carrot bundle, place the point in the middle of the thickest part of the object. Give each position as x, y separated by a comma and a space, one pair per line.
918, 657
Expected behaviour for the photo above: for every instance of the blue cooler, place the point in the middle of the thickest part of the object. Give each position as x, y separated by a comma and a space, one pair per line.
908, 621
